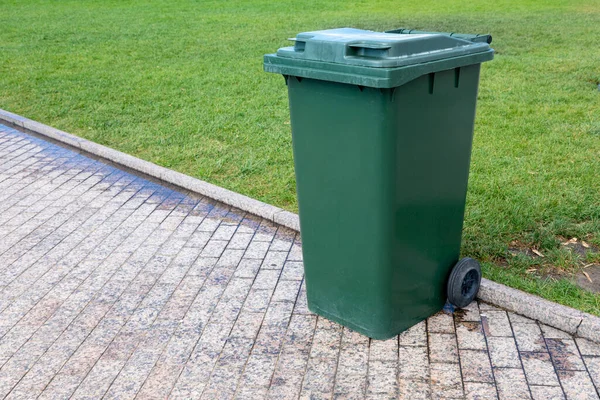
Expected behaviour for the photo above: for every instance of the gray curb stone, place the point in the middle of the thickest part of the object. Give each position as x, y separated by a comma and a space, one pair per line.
242, 202
589, 328
565, 318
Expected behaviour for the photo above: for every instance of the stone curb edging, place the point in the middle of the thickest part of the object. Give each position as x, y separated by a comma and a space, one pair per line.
556, 315
565, 318
234, 199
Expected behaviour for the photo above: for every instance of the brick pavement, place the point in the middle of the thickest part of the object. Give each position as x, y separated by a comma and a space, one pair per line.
113, 286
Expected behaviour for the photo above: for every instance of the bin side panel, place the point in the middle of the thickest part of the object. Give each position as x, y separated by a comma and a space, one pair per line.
381, 179
344, 161
435, 118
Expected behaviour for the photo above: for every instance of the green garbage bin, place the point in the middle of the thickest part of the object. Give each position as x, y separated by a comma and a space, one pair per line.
382, 126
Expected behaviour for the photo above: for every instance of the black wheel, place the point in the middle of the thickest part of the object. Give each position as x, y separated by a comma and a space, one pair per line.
464, 282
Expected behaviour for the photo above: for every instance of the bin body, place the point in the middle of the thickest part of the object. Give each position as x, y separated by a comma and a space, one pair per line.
381, 176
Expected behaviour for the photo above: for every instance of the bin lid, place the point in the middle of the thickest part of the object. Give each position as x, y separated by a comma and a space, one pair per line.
376, 49
362, 57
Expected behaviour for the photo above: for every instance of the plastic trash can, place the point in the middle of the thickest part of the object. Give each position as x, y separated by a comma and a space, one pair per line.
382, 126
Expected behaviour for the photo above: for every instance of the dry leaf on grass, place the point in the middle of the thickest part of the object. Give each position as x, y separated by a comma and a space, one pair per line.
584, 244
587, 276
531, 270
539, 253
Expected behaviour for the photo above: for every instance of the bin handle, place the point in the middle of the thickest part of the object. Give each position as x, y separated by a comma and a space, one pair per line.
375, 46
374, 50
485, 38
299, 45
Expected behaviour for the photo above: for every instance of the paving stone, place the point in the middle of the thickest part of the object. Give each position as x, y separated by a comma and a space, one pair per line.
565, 355
553, 333
113, 286
577, 385
249, 224
196, 373
258, 300
440, 323
230, 258
240, 240
270, 340
593, 365
480, 391
228, 369
251, 392
511, 384
278, 314
495, 323
160, 381
519, 319
503, 352
247, 268
300, 332
382, 378
199, 239
301, 306
203, 266
319, 378
352, 339
293, 270
214, 248
547, 392
224, 232
247, 325
413, 363
209, 225
539, 369
274, 260
259, 370
384, 350
256, 249
470, 336
288, 376
529, 337
283, 240
234, 216
351, 377
295, 253
469, 313
286, 291
348, 386
326, 340
266, 279
475, 366
417, 390
265, 231
446, 381
414, 336
442, 347
586, 347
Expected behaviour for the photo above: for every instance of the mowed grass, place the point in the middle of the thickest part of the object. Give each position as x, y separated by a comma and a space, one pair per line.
180, 83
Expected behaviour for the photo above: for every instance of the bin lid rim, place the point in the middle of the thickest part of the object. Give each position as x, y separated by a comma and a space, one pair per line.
377, 49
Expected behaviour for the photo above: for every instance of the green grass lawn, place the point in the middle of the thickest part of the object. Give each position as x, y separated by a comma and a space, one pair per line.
180, 83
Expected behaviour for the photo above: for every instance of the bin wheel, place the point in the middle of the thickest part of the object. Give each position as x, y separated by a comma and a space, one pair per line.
464, 282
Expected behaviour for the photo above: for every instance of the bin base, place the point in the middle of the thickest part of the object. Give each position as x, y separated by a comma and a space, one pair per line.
365, 331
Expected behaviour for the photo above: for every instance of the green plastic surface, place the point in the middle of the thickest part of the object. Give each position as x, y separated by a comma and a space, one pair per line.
366, 58
382, 179
484, 38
